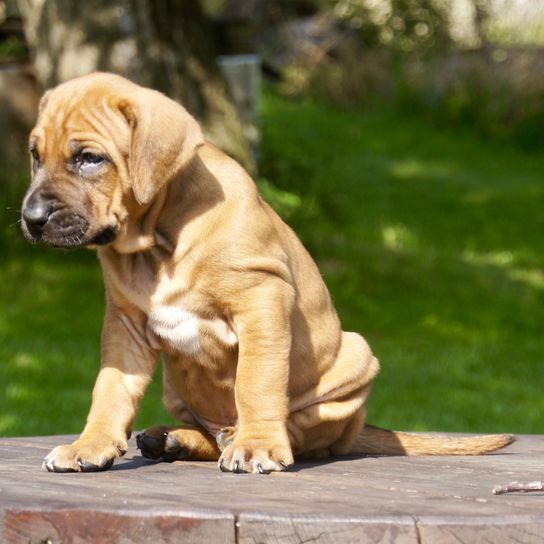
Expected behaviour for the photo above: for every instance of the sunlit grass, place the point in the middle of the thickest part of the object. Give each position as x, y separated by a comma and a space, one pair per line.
430, 240
431, 243
52, 305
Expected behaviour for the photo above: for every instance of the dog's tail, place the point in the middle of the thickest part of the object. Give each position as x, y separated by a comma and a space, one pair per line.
375, 441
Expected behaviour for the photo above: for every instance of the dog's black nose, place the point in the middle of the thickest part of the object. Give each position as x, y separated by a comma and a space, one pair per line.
36, 213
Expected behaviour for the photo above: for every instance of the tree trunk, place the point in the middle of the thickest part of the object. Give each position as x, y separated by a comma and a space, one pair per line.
164, 44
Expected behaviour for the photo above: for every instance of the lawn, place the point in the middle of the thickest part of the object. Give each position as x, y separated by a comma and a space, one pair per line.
431, 241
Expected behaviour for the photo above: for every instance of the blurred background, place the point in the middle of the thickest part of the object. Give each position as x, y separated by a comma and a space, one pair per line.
402, 139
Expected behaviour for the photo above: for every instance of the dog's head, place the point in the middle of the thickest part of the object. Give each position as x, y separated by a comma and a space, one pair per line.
101, 151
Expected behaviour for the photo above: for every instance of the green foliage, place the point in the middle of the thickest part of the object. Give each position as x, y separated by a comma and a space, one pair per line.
401, 25
406, 57
12, 48
419, 24
284, 202
429, 239
500, 94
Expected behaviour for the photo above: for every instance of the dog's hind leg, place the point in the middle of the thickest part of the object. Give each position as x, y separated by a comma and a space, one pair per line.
328, 429
178, 443
327, 419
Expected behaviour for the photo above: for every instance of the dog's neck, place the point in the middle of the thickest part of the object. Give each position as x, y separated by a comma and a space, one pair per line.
140, 231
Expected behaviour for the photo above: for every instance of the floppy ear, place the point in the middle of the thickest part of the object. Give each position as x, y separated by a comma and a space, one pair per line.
164, 138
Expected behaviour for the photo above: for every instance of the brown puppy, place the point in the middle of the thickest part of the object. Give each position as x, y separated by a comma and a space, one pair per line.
198, 269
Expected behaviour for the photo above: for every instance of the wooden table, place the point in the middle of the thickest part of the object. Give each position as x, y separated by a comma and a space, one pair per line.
375, 499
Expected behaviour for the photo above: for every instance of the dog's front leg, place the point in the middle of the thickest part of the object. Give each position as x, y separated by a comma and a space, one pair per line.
127, 366
263, 324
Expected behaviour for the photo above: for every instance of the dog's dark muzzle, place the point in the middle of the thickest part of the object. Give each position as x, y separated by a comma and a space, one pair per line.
47, 219
36, 213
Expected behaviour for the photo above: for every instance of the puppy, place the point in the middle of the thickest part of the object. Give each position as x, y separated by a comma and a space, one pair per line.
200, 270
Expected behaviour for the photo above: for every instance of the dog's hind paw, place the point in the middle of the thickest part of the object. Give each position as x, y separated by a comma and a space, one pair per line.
159, 443
179, 443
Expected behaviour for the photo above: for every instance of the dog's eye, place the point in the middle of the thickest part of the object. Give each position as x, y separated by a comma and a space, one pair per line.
91, 158
35, 155
89, 163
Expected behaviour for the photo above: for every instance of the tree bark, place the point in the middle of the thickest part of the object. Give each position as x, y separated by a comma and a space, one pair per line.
164, 44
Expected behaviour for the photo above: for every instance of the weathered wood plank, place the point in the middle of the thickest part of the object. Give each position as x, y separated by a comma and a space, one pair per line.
374, 499
520, 530
257, 528
65, 526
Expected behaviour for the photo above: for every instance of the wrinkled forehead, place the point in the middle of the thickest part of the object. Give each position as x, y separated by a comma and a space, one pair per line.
74, 116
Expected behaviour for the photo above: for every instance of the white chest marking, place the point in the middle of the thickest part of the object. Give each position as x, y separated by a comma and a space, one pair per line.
178, 327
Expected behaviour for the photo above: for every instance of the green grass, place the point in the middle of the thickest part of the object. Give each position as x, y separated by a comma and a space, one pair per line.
52, 307
430, 240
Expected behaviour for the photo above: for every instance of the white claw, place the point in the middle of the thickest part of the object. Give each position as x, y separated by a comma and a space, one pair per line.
47, 465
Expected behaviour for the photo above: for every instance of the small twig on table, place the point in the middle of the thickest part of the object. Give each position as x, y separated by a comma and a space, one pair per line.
517, 487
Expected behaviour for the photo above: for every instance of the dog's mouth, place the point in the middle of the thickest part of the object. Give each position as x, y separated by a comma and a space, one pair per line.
105, 236
67, 230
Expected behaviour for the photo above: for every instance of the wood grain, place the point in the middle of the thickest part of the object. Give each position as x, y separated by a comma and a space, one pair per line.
375, 499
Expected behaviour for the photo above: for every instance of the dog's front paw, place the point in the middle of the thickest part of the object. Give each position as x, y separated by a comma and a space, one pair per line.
258, 455
85, 455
